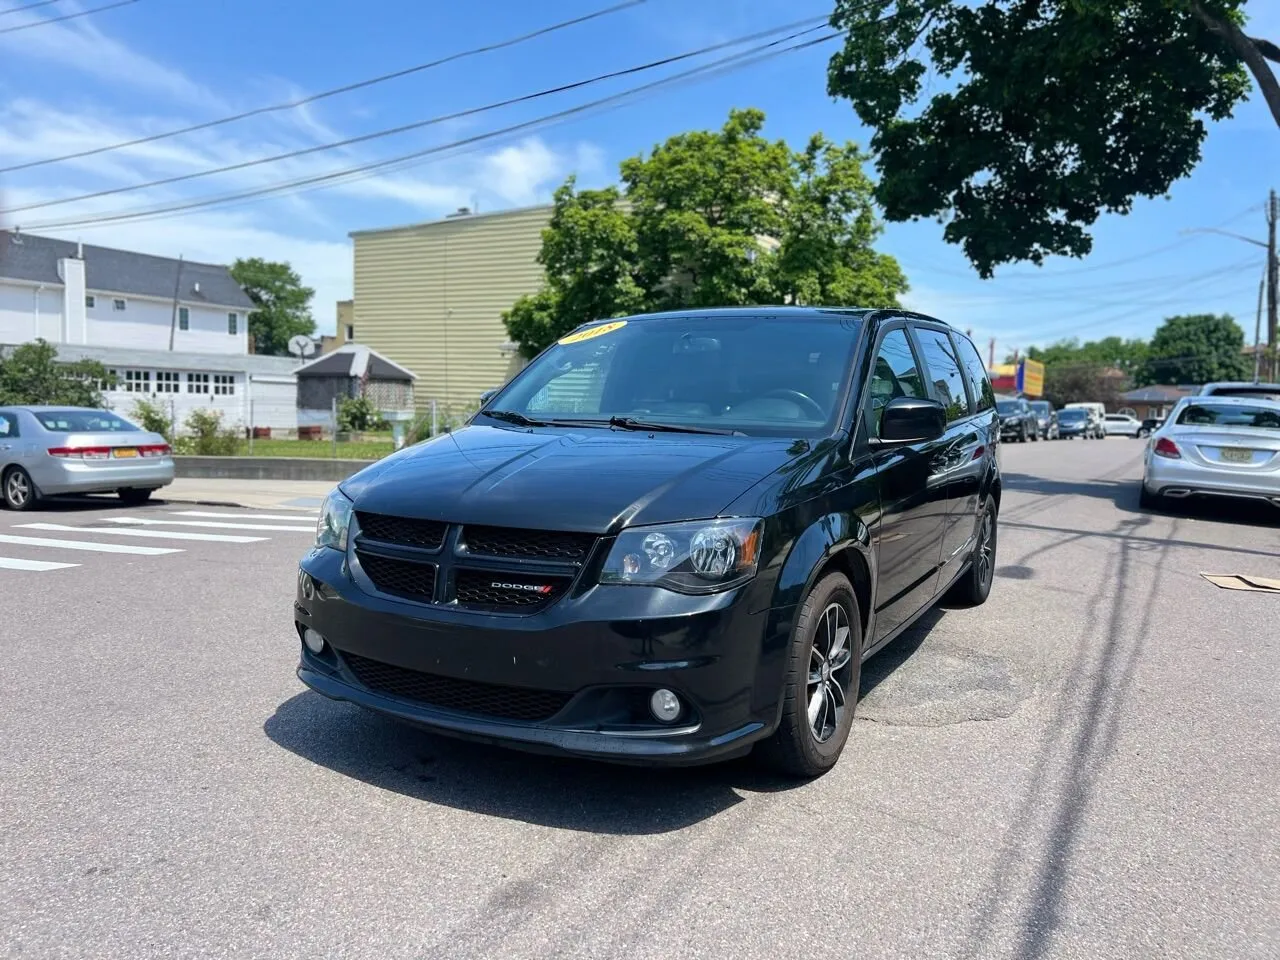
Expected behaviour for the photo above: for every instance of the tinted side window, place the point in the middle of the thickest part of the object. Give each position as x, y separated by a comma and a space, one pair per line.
895, 374
975, 372
945, 379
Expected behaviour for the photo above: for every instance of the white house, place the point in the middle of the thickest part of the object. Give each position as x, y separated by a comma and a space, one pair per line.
173, 331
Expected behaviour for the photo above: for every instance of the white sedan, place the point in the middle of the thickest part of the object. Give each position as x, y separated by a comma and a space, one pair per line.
1215, 447
1122, 425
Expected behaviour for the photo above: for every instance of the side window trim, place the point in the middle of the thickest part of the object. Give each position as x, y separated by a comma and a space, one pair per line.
863, 426
964, 373
915, 327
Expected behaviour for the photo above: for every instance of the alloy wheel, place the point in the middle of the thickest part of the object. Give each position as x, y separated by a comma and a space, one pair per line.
17, 489
986, 549
830, 672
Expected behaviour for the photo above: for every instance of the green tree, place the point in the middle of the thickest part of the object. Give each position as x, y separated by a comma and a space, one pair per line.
1017, 123
283, 303
1128, 356
711, 218
1197, 349
31, 374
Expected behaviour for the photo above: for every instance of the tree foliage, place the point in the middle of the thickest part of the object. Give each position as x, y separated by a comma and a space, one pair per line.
1200, 348
1017, 123
1115, 353
283, 303
32, 374
711, 218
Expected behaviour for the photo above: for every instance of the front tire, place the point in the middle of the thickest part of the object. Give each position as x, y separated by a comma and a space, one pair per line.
18, 489
820, 691
973, 588
1022, 434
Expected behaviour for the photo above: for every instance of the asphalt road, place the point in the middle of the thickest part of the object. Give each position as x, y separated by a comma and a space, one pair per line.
1088, 766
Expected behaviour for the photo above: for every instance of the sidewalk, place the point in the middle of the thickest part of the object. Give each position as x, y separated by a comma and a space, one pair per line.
301, 495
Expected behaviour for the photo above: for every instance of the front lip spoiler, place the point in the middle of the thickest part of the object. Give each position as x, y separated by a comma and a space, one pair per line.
596, 745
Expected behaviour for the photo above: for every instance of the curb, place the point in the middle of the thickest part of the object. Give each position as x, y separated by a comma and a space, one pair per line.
228, 503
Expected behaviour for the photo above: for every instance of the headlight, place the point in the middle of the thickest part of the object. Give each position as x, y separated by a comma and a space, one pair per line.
700, 557
335, 519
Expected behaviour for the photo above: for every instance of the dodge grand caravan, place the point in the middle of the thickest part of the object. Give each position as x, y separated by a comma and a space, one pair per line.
670, 539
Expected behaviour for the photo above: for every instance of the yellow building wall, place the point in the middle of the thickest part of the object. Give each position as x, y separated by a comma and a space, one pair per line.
431, 297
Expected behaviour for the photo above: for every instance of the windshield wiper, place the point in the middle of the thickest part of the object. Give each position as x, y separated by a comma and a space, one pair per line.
631, 423
513, 416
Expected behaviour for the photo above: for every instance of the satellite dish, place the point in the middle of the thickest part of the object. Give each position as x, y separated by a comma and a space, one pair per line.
302, 345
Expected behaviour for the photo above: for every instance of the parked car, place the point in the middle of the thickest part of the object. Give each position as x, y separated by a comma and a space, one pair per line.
1122, 425
1241, 388
1097, 417
758, 500
1150, 425
47, 451
1047, 418
1074, 422
1215, 446
1017, 420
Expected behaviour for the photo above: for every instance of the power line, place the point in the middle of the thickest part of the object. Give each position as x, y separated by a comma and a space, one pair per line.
29, 6
65, 16
420, 124
725, 64
358, 85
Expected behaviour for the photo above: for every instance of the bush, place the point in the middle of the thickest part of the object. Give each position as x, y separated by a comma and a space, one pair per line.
152, 417
358, 415
207, 437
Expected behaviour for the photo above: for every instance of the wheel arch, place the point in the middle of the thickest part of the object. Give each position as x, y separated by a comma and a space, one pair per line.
833, 542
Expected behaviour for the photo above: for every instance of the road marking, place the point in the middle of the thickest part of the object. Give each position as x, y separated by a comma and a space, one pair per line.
208, 523
155, 534
298, 517
88, 545
12, 563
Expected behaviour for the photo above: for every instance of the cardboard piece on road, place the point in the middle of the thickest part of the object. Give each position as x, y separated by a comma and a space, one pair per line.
1243, 582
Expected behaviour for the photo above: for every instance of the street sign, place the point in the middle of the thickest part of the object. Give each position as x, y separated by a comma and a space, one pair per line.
1029, 380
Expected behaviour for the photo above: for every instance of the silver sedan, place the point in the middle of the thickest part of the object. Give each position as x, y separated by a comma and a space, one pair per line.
1215, 447
46, 451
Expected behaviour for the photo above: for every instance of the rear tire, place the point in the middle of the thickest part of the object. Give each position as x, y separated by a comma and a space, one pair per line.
18, 489
820, 691
132, 497
1148, 500
973, 588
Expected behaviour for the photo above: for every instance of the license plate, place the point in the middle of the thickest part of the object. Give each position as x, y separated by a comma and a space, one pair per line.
123, 453
1236, 455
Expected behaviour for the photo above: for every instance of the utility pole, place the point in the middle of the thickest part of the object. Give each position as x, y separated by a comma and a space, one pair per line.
991, 354
1257, 325
1273, 276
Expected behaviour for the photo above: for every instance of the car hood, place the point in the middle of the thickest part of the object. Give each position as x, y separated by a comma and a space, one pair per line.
588, 480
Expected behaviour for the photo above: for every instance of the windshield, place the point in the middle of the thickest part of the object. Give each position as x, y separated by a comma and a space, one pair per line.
1076, 414
1007, 406
1041, 406
84, 421
758, 375
1235, 415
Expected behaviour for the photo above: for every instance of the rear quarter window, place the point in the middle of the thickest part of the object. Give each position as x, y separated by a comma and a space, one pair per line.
975, 372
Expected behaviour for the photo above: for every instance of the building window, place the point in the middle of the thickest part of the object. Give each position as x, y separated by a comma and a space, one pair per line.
167, 381
233, 323
184, 318
224, 384
137, 381
118, 305
351, 332
110, 384
90, 301
197, 383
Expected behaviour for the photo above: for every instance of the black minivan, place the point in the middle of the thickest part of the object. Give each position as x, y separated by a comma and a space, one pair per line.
670, 539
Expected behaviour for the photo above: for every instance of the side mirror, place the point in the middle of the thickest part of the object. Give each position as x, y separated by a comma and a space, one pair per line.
912, 420
487, 396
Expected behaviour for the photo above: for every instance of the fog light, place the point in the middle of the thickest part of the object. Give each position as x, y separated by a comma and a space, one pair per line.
313, 640
664, 705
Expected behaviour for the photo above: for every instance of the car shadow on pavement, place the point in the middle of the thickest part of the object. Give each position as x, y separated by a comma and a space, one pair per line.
80, 504
549, 791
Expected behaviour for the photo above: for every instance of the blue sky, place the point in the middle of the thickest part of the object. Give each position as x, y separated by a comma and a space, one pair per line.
154, 65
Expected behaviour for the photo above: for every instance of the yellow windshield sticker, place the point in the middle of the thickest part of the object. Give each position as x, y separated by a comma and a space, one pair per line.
592, 332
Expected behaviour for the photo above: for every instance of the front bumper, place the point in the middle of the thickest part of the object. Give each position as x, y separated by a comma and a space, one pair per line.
103, 476
595, 654
1165, 476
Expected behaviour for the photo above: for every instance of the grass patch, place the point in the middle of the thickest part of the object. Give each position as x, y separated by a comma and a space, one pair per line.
319, 449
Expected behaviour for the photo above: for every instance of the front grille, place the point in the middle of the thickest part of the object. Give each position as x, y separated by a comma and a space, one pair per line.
406, 531
527, 544
465, 696
506, 591
414, 581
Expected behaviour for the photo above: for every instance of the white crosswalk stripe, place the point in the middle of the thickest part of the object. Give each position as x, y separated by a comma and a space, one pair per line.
13, 563
216, 524
302, 516
150, 534
88, 545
